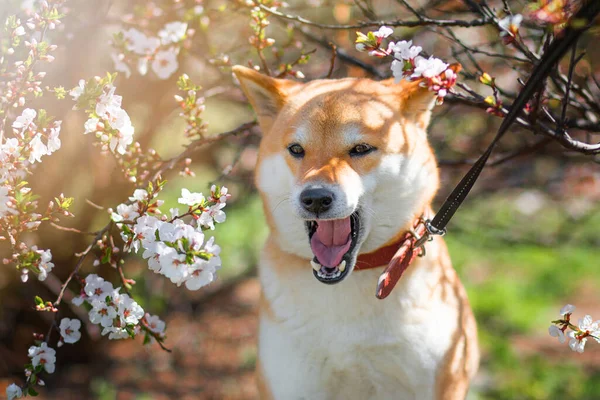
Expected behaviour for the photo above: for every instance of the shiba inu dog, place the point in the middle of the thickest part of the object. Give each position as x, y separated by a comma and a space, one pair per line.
344, 170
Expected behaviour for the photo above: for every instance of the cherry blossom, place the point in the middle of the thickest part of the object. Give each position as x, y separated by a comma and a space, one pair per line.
25, 120
190, 199
96, 288
510, 27
4, 201
567, 309
383, 32
155, 324
91, 125
129, 311
120, 65
78, 90
139, 43
165, 62
43, 355
69, 330
102, 313
577, 342
428, 67
555, 331
404, 50
44, 264
173, 32
13, 392
108, 103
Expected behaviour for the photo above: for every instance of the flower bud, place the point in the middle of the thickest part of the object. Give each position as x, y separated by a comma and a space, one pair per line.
486, 79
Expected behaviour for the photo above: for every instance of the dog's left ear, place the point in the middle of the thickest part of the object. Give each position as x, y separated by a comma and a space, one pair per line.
266, 95
416, 101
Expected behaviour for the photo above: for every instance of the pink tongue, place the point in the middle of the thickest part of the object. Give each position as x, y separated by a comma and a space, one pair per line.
331, 241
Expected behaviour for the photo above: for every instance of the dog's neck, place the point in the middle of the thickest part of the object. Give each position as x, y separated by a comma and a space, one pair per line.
384, 254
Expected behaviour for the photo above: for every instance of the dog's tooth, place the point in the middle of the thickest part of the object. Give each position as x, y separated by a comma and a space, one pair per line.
342, 266
315, 265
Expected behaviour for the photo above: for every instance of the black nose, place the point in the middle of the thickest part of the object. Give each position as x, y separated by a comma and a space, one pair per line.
316, 200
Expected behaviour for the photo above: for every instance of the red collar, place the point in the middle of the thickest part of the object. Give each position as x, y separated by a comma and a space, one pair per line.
398, 256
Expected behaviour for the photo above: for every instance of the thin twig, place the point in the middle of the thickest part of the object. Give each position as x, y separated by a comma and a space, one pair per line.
565, 102
366, 24
196, 144
74, 230
332, 62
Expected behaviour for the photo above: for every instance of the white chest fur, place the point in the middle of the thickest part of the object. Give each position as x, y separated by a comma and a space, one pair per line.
340, 342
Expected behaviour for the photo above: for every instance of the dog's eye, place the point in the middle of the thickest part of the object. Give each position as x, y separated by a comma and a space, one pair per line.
296, 150
361, 149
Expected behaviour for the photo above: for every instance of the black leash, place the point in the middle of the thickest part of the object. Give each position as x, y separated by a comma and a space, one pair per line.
557, 49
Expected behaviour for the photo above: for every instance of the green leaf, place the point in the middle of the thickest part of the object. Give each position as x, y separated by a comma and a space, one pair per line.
32, 392
39, 301
107, 255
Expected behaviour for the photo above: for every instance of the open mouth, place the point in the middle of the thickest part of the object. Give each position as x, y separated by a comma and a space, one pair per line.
332, 243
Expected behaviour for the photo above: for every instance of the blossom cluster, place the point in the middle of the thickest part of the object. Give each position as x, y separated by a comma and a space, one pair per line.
26, 134
432, 72
174, 248
117, 313
108, 121
157, 52
192, 107
578, 334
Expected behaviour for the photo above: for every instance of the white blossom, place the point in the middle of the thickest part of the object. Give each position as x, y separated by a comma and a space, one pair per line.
78, 300
19, 31
587, 328
115, 333
45, 263
428, 67
96, 288
155, 324
91, 125
139, 43
555, 331
119, 120
102, 313
190, 199
568, 309
120, 65
13, 392
53, 140
576, 343
165, 63
383, 32
129, 311
173, 32
108, 103
43, 355
142, 65
4, 200
510, 24
139, 195
37, 149
25, 120
214, 214
69, 330
78, 90
404, 50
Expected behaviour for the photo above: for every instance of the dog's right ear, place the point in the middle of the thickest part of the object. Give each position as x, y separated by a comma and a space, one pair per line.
266, 95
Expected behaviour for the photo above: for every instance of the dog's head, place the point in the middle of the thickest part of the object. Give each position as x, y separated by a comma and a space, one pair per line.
344, 165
